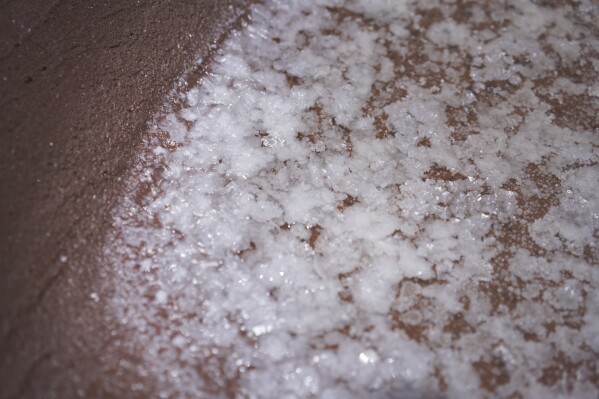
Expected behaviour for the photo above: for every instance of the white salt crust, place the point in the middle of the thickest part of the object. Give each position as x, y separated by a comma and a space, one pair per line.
310, 226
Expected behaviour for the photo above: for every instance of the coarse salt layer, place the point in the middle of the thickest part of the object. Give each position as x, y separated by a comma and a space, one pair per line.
373, 199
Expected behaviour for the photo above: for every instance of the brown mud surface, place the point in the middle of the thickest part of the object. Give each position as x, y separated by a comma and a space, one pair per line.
79, 82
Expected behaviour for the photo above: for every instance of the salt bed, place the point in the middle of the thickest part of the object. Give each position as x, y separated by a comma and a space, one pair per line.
382, 199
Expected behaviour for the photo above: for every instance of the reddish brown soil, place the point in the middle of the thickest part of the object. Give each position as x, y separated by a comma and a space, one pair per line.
78, 83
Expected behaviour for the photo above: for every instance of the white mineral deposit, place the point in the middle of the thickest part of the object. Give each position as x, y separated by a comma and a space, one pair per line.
355, 201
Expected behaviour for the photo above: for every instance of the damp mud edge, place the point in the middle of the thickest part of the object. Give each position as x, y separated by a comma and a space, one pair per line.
78, 85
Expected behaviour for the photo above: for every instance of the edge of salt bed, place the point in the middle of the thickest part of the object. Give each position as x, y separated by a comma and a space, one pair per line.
392, 363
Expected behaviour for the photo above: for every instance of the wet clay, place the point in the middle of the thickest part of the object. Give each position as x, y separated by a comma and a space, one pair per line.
78, 84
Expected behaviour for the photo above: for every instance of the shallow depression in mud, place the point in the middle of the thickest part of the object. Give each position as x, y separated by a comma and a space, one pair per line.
373, 199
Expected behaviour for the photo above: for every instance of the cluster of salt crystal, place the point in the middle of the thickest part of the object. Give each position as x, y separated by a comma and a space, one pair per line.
285, 241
